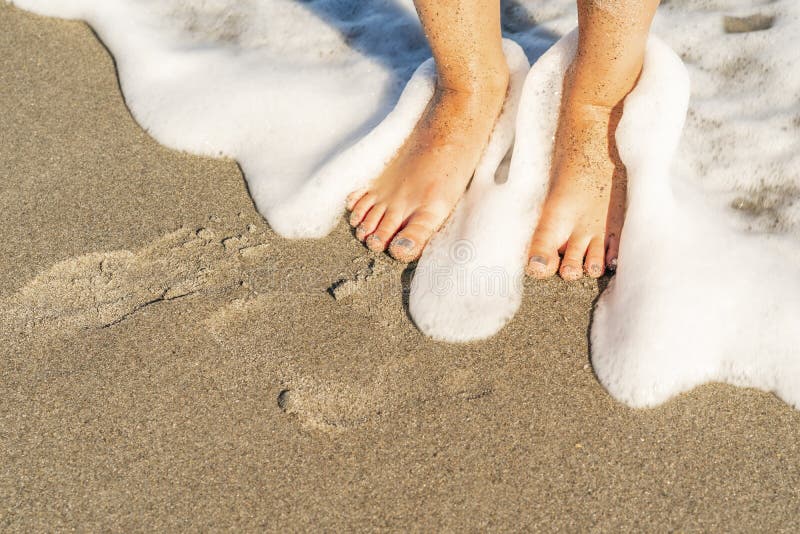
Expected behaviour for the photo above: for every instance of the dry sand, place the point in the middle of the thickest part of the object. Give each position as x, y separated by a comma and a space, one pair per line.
168, 362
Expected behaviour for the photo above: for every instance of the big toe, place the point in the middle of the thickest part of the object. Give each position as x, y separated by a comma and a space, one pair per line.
543, 254
407, 245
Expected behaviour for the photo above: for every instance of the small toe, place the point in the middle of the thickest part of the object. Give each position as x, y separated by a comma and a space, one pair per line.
612, 251
370, 222
361, 208
595, 265
386, 230
572, 264
543, 254
407, 245
354, 197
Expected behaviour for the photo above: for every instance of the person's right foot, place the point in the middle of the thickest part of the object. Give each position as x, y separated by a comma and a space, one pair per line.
416, 193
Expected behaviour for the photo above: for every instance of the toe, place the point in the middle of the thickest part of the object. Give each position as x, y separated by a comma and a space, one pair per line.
354, 197
407, 245
594, 258
361, 208
612, 251
383, 234
572, 264
543, 253
370, 222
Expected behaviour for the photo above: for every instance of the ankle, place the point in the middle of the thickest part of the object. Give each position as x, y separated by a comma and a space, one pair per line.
491, 80
601, 89
581, 112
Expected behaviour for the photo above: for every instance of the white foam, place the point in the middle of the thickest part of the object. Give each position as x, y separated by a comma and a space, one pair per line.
468, 282
694, 300
275, 85
315, 208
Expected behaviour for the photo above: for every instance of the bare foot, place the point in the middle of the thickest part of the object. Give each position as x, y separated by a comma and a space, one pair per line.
416, 193
583, 214
584, 210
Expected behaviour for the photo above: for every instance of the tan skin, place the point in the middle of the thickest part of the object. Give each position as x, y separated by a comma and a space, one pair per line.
582, 217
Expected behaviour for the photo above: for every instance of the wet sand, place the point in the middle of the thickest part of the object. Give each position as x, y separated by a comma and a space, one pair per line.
169, 362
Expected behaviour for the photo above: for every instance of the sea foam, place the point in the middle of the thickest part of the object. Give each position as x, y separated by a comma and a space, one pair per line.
707, 285
274, 85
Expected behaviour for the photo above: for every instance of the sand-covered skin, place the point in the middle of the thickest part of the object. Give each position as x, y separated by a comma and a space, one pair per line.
255, 399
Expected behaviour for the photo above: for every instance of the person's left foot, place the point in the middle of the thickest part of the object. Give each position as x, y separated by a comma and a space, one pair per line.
584, 210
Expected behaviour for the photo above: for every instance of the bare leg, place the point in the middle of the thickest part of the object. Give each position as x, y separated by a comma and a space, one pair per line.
403, 207
584, 211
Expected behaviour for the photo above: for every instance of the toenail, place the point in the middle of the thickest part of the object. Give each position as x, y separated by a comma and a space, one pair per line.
404, 242
612, 265
541, 260
373, 239
595, 269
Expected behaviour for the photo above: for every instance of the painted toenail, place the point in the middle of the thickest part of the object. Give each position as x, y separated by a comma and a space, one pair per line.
404, 242
373, 239
539, 260
612, 265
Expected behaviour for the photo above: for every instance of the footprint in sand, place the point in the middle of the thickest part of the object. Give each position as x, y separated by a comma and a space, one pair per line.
350, 376
346, 378
101, 289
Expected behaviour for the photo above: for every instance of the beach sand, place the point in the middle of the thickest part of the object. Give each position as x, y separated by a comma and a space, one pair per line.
170, 363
